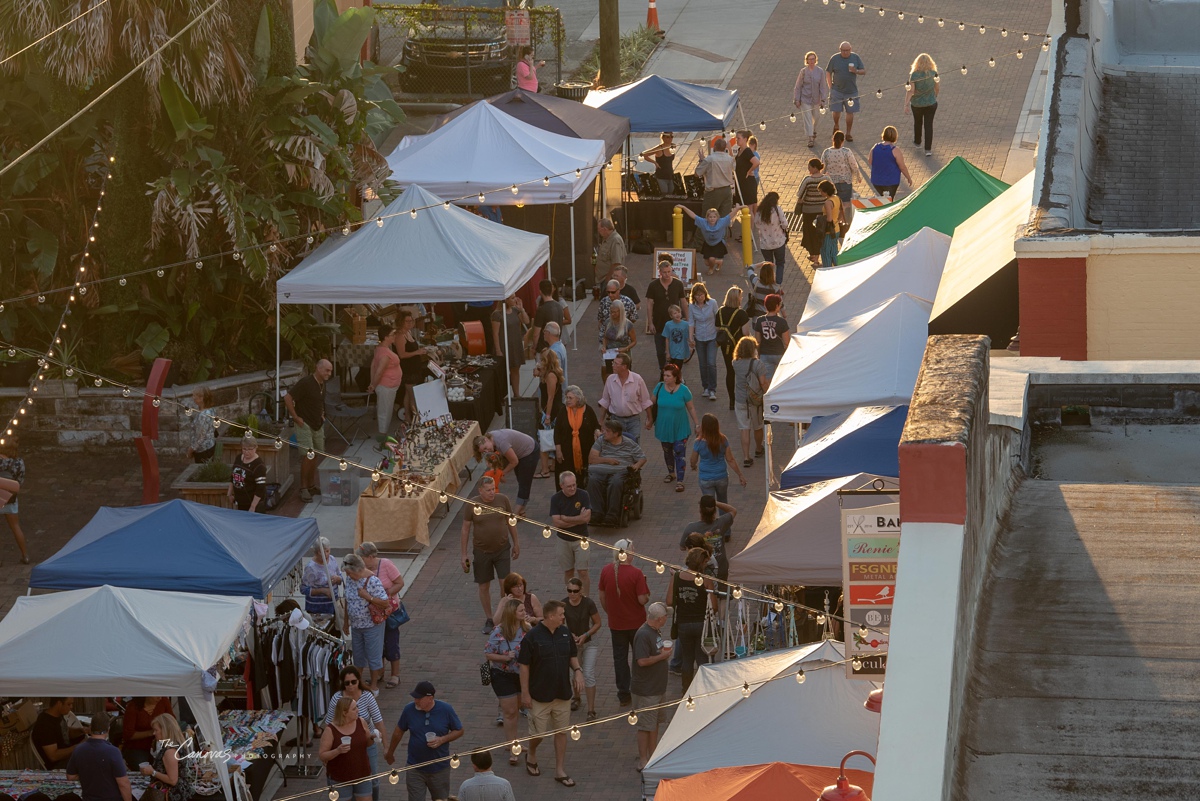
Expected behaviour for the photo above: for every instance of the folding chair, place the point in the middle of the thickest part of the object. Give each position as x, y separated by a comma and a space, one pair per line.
337, 410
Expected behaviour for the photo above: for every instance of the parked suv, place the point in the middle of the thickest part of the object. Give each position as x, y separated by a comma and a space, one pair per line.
461, 50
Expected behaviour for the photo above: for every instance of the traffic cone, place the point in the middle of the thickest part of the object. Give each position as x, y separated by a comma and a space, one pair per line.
652, 18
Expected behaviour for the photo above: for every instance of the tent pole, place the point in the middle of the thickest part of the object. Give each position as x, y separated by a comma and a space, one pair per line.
507, 360
624, 200
278, 318
574, 328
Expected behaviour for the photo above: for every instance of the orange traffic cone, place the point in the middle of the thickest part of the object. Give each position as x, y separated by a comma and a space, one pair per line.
652, 18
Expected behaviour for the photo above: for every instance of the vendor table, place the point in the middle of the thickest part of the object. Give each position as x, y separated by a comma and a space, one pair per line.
54, 783
390, 520
655, 215
486, 403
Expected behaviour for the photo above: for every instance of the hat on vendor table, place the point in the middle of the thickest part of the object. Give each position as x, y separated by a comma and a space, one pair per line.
424, 690
100, 723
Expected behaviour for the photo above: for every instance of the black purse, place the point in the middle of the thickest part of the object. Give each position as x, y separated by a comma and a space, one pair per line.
485, 673
654, 405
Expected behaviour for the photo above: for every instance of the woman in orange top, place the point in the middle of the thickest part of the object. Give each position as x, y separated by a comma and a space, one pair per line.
386, 377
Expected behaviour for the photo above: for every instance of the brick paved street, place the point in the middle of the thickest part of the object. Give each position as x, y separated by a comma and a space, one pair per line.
976, 118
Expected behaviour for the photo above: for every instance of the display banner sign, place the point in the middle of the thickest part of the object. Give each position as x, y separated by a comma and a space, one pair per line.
516, 20
685, 262
870, 550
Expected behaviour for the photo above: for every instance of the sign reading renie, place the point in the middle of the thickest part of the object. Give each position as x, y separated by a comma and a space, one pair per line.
870, 550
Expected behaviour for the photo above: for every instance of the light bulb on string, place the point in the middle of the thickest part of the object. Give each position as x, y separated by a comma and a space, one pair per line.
546, 181
941, 22
1004, 32
333, 794
546, 532
881, 12
160, 273
691, 704
575, 733
413, 214
41, 298
633, 718
920, 19
659, 568
878, 93
800, 677
621, 555
578, 172
737, 593
842, 5
823, 110
1046, 45
379, 222
745, 689
962, 26
515, 748
584, 544
512, 520
454, 763
991, 62
443, 498
862, 631
849, 102
900, 15
310, 455
477, 510
856, 663
907, 86
514, 189
98, 382
12, 352
982, 30
792, 117
345, 230
125, 392
394, 776
156, 402
278, 443
862, 9
778, 607
963, 69
820, 619
308, 239
762, 125
480, 197
237, 255
273, 248
1020, 55
1025, 37
343, 465
374, 475
699, 580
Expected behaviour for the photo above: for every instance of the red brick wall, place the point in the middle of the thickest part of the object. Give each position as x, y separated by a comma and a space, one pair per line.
1053, 300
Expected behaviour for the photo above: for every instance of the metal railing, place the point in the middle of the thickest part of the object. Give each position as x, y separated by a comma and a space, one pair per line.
454, 52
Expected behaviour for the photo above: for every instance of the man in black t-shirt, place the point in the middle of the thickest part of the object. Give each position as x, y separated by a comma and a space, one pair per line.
663, 293
771, 331
571, 509
550, 673
305, 403
743, 169
248, 479
549, 310
52, 737
621, 274
583, 619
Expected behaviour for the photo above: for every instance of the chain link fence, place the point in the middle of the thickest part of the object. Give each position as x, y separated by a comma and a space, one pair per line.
457, 52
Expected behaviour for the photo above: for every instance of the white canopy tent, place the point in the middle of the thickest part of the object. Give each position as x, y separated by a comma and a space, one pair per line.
816, 723
871, 359
913, 265
441, 255
115, 641
799, 536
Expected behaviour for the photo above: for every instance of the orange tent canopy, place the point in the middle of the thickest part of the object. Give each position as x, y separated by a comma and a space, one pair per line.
774, 780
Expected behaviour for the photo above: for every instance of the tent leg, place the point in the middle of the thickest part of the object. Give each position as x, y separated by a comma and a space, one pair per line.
507, 365
603, 192
278, 320
624, 200
768, 439
574, 328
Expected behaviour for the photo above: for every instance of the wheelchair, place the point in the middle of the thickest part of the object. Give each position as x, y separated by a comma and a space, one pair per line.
631, 498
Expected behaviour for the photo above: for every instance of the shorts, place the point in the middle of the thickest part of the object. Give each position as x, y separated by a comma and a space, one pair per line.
490, 566
548, 716
648, 719
359, 789
11, 508
717, 251
887, 189
749, 418
839, 102
845, 192
570, 555
306, 437
367, 646
505, 685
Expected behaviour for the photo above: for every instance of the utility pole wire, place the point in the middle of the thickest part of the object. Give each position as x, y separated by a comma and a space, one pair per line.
107, 91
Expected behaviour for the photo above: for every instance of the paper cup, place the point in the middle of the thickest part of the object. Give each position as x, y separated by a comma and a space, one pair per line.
143, 764
430, 737
346, 740
667, 644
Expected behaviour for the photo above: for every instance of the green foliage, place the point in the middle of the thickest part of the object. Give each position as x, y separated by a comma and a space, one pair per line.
245, 421
214, 471
636, 48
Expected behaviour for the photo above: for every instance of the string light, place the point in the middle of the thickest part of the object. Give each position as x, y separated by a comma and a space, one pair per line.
699, 580
792, 116
982, 30
310, 455
920, 19
583, 544
633, 718
800, 677
378, 222
962, 26
394, 776
746, 689
1025, 37
443, 498
659, 568
737, 593
413, 214
512, 520
1020, 55
856, 664
546, 181
1004, 33
963, 69
941, 22
621, 555
900, 15
278, 443
478, 510
991, 62
691, 704
881, 12
454, 763
342, 465
515, 748
575, 733
762, 125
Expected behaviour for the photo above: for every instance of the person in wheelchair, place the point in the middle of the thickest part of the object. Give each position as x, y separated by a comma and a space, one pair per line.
612, 457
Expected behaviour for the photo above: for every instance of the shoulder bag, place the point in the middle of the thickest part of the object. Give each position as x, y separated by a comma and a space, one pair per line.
754, 394
724, 335
398, 618
380, 615
654, 404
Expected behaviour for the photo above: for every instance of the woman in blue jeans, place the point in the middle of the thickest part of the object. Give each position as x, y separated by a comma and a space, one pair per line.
690, 603
702, 314
711, 459
364, 590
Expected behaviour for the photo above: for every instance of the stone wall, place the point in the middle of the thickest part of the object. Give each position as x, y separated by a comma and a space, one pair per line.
68, 415
1116, 403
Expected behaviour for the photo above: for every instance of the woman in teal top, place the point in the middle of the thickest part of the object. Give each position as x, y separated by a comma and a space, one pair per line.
674, 423
921, 96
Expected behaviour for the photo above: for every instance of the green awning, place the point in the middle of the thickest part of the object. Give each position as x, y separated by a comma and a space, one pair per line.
957, 191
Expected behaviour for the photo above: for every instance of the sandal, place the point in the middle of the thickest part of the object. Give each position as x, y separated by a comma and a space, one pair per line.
668, 478
541, 475
565, 781
514, 761
679, 487
532, 768
747, 463
591, 715
575, 704
392, 683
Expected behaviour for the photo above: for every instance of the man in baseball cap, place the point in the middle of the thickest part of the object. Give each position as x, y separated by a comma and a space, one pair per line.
432, 725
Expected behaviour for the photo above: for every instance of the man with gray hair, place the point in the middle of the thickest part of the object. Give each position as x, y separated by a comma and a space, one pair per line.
613, 455
649, 681
610, 253
716, 169
491, 550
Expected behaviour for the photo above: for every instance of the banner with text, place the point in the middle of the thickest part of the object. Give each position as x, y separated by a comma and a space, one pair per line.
870, 549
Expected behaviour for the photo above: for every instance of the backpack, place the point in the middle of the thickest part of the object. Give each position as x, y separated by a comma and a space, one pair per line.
725, 338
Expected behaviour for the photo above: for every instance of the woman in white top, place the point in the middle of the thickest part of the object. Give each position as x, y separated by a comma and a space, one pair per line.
702, 313
771, 232
841, 167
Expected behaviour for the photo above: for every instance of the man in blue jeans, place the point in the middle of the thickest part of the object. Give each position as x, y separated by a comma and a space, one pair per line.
431, 725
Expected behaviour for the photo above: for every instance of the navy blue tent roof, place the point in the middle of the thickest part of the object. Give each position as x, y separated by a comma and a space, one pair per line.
656, 103
866, 440
180, 546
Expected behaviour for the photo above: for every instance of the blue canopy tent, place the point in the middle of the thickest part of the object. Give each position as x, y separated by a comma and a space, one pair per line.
656, 104
866, 440
180, 546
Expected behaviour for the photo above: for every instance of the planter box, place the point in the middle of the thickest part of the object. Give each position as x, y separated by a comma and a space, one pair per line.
204, 492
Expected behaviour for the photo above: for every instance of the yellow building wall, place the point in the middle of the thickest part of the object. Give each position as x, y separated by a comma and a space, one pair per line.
1143, 306
302, 21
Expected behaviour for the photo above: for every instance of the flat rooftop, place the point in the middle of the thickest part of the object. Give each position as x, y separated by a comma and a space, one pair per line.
1147, 152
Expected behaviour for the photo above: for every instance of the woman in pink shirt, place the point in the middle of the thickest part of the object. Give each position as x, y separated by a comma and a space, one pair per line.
386, 377
527, 70
389, 575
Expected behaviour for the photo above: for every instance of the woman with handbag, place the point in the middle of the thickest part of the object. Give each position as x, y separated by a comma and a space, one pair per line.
674, 422
833, 224
752, 376
503, 647
367, 607
771, 232
320, 579
574, 434
550, 383
173, 774
690, 603
343, 749
389, 575
732, 324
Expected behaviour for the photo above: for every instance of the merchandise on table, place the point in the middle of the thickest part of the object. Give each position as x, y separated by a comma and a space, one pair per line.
53, 783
